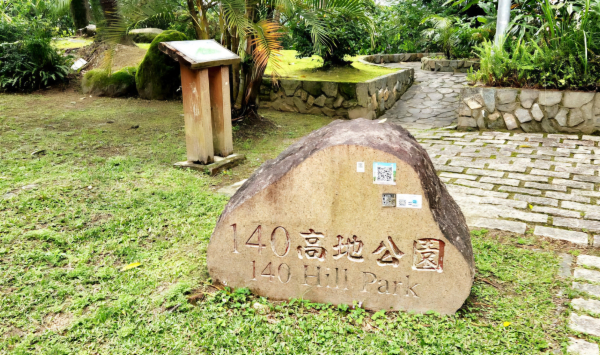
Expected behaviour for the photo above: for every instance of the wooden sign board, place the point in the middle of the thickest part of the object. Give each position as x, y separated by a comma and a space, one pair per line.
200, 54
205, 89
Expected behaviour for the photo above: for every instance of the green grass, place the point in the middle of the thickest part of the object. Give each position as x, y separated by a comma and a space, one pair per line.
68, 43
145, 46
106, 196
309, 69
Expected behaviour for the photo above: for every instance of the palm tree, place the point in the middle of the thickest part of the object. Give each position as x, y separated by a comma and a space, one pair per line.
250, 28
443, 32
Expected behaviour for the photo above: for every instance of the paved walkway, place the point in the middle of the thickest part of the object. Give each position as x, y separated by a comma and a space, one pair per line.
431, 102
522, 181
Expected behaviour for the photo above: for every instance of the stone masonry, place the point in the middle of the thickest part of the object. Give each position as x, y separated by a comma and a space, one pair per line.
449, 65
369, 99
529, 110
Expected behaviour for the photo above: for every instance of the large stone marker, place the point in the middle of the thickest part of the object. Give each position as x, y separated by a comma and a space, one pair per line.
352, 212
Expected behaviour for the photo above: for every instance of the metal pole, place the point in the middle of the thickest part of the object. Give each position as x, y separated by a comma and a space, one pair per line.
503, 19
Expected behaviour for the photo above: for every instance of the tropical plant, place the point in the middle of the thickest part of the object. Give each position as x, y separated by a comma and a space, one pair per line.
444, 32
345, 35
31, 64
251, 28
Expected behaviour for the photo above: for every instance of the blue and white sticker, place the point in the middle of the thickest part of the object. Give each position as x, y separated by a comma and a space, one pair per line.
409, 201
384, 173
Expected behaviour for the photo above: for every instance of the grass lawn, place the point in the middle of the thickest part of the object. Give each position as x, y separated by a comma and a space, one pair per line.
308, 69
103, 195
70, 43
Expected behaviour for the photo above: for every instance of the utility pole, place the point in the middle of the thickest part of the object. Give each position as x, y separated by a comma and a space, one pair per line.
503, 19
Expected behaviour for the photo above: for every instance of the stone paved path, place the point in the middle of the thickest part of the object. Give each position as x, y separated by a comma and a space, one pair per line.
522, 181
584, 317
431, 102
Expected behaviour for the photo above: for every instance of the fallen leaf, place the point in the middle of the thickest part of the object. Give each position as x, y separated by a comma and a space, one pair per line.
130, 266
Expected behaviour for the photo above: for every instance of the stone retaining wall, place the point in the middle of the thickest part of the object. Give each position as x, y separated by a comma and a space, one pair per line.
369, 99
530, 110
396, 58
447, 65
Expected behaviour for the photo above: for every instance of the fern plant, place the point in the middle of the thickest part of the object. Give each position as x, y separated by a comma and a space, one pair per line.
31, 64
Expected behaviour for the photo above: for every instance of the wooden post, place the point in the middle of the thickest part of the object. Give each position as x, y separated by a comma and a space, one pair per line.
220, 104
197, 114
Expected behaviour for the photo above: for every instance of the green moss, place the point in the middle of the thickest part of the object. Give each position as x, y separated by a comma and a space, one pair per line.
309, 69
97, 82
158, 76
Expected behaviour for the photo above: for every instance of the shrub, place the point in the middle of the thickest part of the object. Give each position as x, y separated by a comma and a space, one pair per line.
121, 83
345, 34
31, 64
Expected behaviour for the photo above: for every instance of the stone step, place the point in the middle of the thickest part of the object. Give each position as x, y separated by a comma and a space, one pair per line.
562, 234
593, 290
581, 304
585, 324
582, 347
588, 260
588, 275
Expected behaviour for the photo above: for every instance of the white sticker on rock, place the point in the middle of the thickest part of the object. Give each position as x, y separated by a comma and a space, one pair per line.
360, 167
409, 201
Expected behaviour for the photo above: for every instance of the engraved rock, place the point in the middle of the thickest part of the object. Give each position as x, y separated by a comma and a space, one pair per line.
314, 223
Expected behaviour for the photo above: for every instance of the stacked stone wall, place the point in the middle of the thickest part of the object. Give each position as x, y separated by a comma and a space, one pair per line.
369, 99
530, 110
447, 65
396, 58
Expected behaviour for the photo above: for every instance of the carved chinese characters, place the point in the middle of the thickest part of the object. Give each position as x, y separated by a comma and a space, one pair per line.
310, 224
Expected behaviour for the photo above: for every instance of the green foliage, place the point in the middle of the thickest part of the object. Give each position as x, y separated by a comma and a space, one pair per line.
345, 35
558, 49
158, 76
31, 64
99, 83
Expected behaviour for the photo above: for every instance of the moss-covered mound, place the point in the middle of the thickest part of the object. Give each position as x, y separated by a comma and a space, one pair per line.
97, 82
158, 76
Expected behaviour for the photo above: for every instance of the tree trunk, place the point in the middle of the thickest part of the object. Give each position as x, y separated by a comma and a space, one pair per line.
79, 13
113, 20
195, 22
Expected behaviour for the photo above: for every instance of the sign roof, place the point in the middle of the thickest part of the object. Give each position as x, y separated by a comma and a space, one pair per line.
200, 53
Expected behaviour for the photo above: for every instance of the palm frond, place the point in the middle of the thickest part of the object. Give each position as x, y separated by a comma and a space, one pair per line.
267, 47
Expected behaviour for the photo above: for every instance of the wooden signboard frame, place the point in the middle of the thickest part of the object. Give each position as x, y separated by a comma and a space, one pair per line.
206, 107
